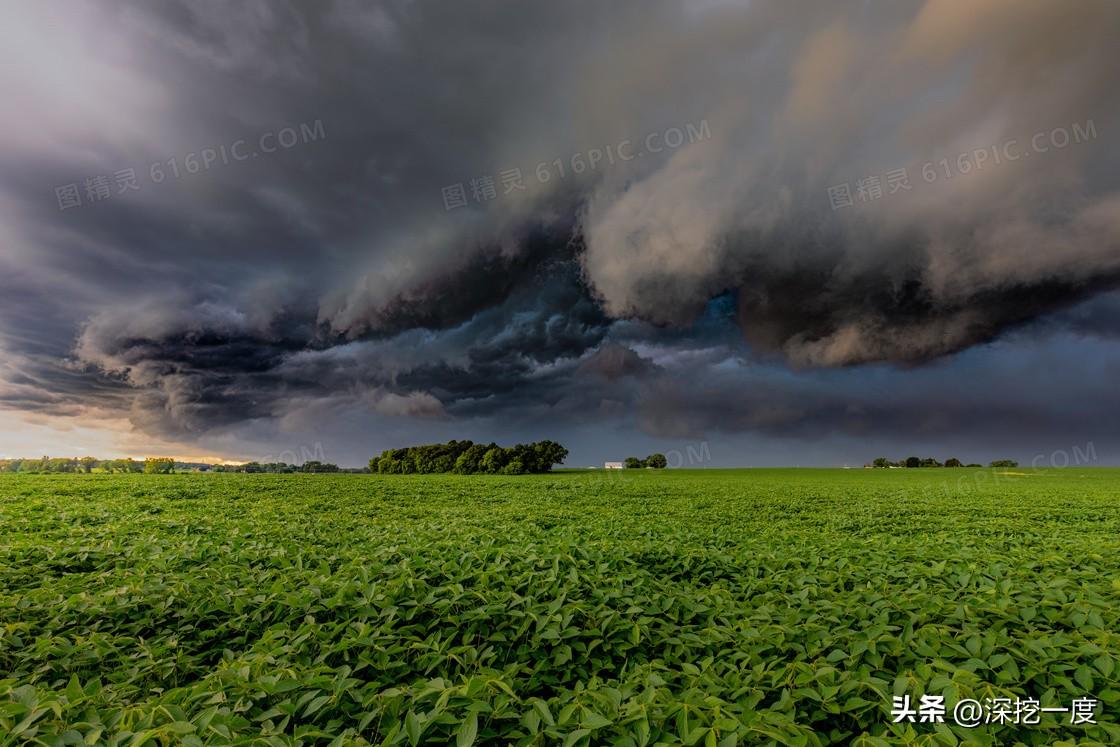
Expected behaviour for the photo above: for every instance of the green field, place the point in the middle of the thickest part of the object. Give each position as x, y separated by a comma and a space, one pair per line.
714, 607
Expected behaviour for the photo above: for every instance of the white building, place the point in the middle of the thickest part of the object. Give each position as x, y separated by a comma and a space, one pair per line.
612, 465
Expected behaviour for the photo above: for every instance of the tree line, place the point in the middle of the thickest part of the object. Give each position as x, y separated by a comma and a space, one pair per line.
282, 468
653, 461
917, 462
469, 458
86, 465
155, 466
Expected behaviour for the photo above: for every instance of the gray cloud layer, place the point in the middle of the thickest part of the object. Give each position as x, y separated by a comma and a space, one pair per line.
295, 284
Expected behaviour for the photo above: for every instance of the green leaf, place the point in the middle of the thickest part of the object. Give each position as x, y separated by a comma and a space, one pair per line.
1084, 678
575, 736
412, 728
593, 720
468, 730
315, 705
542, 709
74, 692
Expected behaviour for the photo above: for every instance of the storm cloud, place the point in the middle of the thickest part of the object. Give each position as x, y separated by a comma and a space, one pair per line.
662, 218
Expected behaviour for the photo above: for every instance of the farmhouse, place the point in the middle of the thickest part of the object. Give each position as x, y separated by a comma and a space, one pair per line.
612, 465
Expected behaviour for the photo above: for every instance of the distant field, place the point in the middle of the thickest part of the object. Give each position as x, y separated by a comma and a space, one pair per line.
715, 607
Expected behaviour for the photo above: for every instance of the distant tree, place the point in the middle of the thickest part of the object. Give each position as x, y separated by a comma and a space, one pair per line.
913, 462
514, 467
633, 463
34, 465
974, 464
88, 463
387, 462
881, 462
59, 465
470, 461
467, 457
545, 454
493, 460
657, 461
423, 460
953, 462
1004, 463
930, 462
159, 466
443, 463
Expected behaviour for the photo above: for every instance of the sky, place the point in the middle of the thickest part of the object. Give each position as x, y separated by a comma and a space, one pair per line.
739, 233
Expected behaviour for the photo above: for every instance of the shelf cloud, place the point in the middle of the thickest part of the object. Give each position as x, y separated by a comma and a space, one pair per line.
662, 218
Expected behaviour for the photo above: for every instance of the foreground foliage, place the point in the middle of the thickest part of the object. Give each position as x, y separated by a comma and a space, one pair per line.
626, 608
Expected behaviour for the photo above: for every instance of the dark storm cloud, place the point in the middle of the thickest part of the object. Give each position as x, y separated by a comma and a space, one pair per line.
819, 320
486, 278
46, 385
943, 265
331, 274
207, 365
615, 361
547, 321
1019, 399
1099, 317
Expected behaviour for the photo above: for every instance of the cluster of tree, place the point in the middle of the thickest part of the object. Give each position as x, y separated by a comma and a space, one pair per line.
121, 466
86, 465
913, 462
469, 458
653, 461
157, 466
280, 468
49, 464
